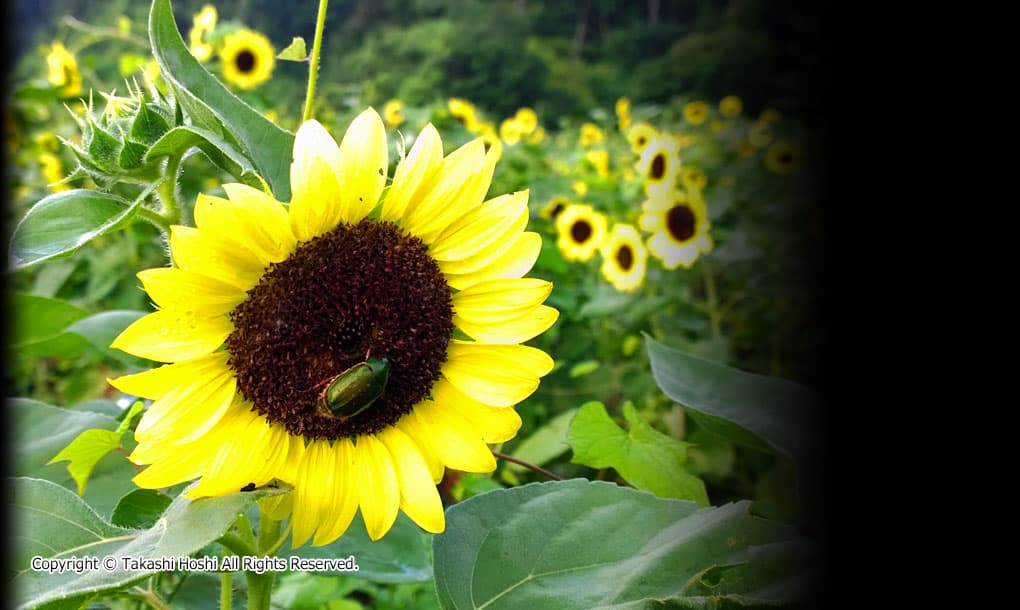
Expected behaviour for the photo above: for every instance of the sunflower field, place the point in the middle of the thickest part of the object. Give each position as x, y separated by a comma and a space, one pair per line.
413, 305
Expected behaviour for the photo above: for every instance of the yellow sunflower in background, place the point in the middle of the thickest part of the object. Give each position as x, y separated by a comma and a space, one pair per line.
591, 134
393, 113
769, 115
693, 178
203, 23
599, 159
730, 106
465, 112
270, 308
527, 120
62, 70
624, 258
536, 136
659, 164
640, 135
580, 187
696, 113
623, 113
581, 230
554, 208
53, 171
783, 157
248, 59
679, 226
510, 131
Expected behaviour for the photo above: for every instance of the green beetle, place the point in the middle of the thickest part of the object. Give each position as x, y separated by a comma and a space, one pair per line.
355, 389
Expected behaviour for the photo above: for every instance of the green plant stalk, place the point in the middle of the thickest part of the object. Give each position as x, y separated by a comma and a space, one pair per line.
168, 190
714, 314
313, 67
260, 586
226, 590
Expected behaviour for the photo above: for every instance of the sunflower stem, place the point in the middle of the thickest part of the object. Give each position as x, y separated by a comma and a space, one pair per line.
313, 67
714, 315
168, 190
237, 545
527, 465
226, 590
245, 531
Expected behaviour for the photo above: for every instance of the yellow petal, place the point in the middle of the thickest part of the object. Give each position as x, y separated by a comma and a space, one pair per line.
492, 424
192, 252
187, 412
476, 230
172, 472
313, 490
364, 159
497, 375
170, 335
441, 203
494, 301
263, 221
514, 262
344, 503
458, 445
188, 291
468, 198
154, 383
419, 498
217, 222
315, 206
377, 485
413, 429
511, 330
247, 455
498, 246
413, 171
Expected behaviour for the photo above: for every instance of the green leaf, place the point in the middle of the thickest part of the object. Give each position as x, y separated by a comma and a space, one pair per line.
148, 125
749, 409
212, 106
583, 368
102, 328
39, 322
85, 451
42, 430
53, 522
224, 155
644, 457
531, 547
63, 222
140, 508
545, 444
402, 555
295, 51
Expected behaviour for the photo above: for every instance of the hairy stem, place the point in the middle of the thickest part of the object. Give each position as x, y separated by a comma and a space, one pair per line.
313, 67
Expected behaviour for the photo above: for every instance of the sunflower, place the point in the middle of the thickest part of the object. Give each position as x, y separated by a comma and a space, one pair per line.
693, 178
554, 208
580, 187
248, 59
623, 113
591, 134
695, 113
640, 135
581, 230
760, 133
510, 131
269, 307
659, 164
599, 159
53, 171
464, 111
679, 224
769, 115
63, 70
526, 119
783, 157
202, 24
536, 136
393, 113
624, 258
730, 106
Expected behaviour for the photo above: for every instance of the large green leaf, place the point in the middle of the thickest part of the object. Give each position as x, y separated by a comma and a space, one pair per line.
39, 326
226, 156
41, 431
644, 457
63, 222
212, 107
402, 555
591, 544
752, 410
52, 522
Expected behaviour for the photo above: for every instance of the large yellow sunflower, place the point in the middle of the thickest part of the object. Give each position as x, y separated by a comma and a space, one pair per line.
248, 59
624, 258
313, 342
679, 224
581, 230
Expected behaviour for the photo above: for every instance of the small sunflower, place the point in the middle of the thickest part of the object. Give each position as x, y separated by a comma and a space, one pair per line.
640, 135
760, 133
679, 226
599, 159
659, 165
63, 70
623, 113
269, 305
536, 136
591, 134
783, 157
769, 115
693, 178
493, 145
527, 120
730, 106
624, 258
554, 208
510, 131
580, 187
53, 171
465, 113
202, 24
581, 230
248, 59
695, 113
393, 113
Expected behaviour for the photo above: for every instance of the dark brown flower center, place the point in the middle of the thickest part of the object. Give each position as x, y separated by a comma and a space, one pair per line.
625, 257
580, 231
245, 61
680, 222
357, 291
658, 168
